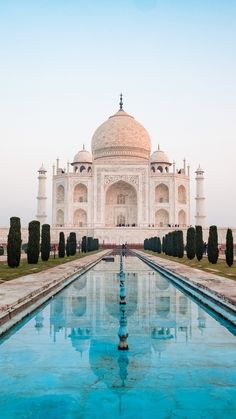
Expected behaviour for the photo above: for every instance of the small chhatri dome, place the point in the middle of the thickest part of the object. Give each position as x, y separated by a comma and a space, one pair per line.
121, 136
159, 157
83, 156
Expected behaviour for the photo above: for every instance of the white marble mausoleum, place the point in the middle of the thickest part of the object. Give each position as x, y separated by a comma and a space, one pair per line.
122, 188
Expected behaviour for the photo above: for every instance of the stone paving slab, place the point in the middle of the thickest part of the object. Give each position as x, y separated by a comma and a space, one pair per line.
219, 286
22, 295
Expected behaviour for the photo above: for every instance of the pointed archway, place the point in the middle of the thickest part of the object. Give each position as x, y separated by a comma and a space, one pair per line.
121, 205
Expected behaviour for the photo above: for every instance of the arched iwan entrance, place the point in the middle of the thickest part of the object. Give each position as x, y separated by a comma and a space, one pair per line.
182, 218
121, 205
161, 218
60, 218
80, 218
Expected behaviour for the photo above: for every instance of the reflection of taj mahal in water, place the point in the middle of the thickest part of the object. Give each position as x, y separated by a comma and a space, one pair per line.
121, 184
88, 310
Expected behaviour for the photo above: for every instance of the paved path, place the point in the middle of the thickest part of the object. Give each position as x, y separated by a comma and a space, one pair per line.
217, 285
22, 295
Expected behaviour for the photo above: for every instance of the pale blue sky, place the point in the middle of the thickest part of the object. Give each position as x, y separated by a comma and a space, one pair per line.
64, 63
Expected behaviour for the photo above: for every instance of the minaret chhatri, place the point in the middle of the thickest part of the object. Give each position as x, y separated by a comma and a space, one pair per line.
200, 198
41, 198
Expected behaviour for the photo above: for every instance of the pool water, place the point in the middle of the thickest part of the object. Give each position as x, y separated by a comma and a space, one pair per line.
63, 362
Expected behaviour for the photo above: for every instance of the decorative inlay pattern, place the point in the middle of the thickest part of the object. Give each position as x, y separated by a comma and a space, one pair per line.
108, 179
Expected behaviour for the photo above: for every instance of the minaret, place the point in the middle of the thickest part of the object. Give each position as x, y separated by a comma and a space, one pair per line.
200, 198
41, 198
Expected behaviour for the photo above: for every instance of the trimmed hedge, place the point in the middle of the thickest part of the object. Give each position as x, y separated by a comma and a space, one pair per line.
229, 251
213, 252
45, 242
73, 243
191, 243
61, 247
14, 243
33, 242
199, 243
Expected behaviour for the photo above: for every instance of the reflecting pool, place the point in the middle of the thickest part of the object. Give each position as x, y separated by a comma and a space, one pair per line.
64, 362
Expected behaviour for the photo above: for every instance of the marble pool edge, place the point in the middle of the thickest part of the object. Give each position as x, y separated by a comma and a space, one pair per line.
13, 313
205, 295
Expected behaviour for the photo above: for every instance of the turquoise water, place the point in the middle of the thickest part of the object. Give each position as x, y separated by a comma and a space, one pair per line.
63, 361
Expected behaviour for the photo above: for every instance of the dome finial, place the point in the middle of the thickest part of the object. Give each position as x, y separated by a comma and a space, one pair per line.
121, 102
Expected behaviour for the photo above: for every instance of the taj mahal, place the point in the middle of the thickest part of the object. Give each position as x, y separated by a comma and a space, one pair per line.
121, 191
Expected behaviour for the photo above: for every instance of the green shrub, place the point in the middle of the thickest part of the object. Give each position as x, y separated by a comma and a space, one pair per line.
96, 244
84, 244
61, 247
199, 243
191, 243
158, 245
229, 251
45, 242
33, 242
14, 243
68, 246
164, 244
175, 243
73, 243
212, 248
180, 246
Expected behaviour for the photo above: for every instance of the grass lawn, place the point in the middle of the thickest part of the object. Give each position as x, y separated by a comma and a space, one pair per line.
7, 273
220, 268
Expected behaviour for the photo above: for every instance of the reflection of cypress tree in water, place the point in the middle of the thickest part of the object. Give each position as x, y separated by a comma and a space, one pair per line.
123, 362
122, 333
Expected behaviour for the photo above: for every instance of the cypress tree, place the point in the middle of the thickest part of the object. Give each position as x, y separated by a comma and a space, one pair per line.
68, 246
167, 244
175, 243
61, 248
155, 244
45, 242
73, 243
14, 243
158, 245
33, 242
96, 241
180, 240
84, 244
90, 244
190, 246
212, 248
171, 244
199, 243
229, 251
164, 244
145, 244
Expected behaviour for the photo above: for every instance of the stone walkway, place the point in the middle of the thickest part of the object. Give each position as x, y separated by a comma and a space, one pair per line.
21, 296
218, 286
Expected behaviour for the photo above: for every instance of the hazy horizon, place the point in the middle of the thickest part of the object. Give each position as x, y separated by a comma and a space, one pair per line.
64, 64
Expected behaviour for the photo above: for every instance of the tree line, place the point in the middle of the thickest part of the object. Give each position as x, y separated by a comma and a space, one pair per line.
35, 246
173, 244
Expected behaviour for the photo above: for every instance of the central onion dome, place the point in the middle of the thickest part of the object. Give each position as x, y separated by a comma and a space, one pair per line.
121, 136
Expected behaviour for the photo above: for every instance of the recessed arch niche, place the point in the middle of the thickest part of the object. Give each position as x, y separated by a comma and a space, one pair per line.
121, 205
